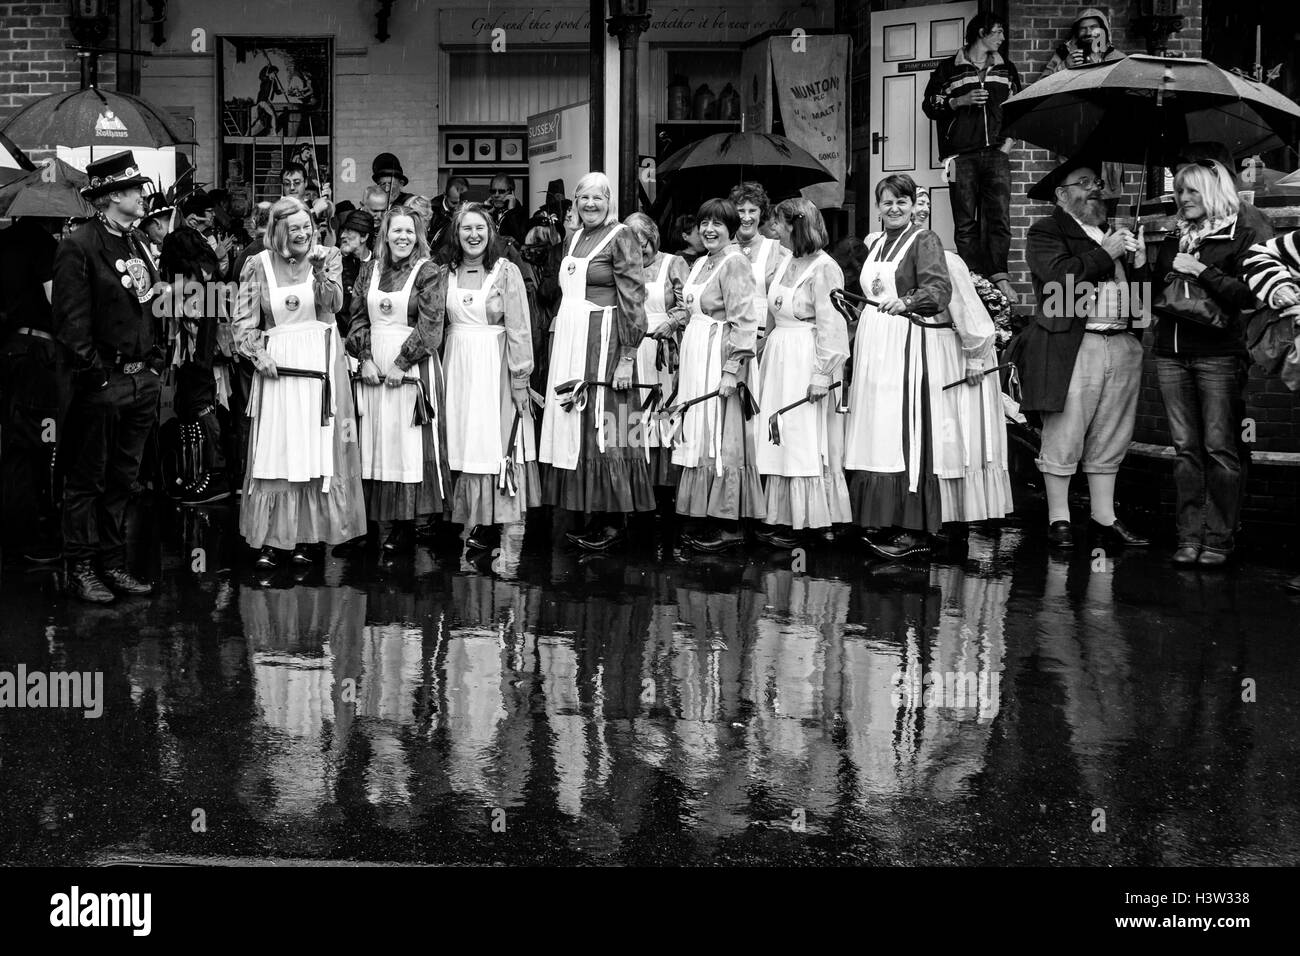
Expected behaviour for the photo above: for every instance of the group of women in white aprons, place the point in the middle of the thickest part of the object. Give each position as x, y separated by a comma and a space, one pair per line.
743, 347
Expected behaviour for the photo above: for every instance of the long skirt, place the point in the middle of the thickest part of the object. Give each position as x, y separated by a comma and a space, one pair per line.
479, 433
431, 495
717, 455
652, 367
803, 476
283, 512
611, 473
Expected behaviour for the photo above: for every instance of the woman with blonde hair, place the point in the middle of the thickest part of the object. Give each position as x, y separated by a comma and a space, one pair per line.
665, 316
597, 463
397, 325
491, 441
807, 343
1201, 358
303, 482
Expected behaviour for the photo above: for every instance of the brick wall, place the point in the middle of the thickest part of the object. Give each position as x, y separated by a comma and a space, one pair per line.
33, 61
1036, 28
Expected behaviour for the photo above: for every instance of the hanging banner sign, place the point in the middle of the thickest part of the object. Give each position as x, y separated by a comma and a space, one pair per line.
558, 148
812, 92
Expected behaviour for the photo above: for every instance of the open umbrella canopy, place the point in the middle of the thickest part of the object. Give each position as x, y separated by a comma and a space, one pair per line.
1145, 108
725, 159
53, 191
11, 157
93, 117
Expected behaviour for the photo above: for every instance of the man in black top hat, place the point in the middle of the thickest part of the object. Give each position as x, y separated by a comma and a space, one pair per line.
385, 172
105, 283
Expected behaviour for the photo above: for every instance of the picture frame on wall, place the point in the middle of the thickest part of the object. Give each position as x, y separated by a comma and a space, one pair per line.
458, 149
485, 150
276, 96
512, 149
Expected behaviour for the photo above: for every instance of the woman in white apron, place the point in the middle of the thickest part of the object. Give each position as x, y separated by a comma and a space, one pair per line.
657, 358
596, 459
489, 358
906, 435
719, 478
766, 255
397, 325
806, 347
303, 482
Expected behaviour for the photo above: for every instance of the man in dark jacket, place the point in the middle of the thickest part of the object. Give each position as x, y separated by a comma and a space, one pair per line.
444, 210
964, 98
104, 288
33, 389
1080, 359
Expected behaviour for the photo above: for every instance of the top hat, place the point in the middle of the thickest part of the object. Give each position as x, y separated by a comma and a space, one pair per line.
386, 164
158, 205
1045, 189
111, 173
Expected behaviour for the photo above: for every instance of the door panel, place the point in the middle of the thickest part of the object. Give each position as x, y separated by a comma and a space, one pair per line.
903, 44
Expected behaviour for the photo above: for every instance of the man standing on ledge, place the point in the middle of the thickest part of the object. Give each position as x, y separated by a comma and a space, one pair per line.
964, 98
104, 285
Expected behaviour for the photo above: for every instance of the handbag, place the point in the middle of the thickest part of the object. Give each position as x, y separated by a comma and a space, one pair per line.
1184, 298
1268, 339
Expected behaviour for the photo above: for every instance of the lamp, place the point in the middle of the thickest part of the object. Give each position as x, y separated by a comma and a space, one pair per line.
91, 21
158, 21
1158, 20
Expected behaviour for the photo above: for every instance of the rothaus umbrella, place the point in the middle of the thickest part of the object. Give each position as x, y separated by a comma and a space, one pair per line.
1146, 108
53, 191
100, 119
11, 157
725, 159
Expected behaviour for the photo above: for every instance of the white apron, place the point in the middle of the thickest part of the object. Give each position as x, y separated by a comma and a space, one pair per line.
561, 443
474, 360
288, 440
766, 248
789, 360
392, 448
877, 401
656, 316
700, 372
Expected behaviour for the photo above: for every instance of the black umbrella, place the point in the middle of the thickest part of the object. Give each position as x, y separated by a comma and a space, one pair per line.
53, 191
1146, 108
725, 159
96, 118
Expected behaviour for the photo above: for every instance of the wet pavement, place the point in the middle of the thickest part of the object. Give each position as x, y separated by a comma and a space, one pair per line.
1002, 705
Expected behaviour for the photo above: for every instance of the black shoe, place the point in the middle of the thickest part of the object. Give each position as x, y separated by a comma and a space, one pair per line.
120, 579
602, 540
483, 537
207, 490
1060, 534
575, 537
301, 555
776, 539
1293, 584
400, 539
266, 560
42, 555
1187, 554
356, 546
901, 548
1116, 534
724, 541
84, 583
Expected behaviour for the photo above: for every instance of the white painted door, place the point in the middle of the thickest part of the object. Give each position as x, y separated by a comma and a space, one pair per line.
905, 47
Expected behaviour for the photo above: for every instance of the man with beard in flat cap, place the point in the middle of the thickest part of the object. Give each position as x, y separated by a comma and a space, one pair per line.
1080, 359
105, 283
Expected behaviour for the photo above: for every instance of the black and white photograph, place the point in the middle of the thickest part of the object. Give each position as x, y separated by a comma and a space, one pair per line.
848, 441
